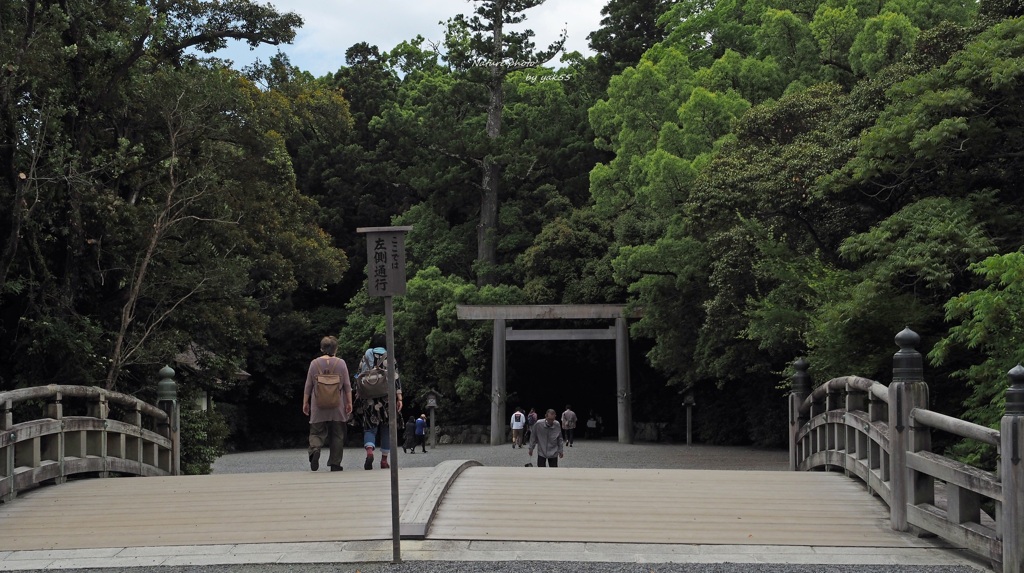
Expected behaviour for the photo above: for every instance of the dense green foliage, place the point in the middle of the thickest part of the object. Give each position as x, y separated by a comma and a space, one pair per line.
763, 179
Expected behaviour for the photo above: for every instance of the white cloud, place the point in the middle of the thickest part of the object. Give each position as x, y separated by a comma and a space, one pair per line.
332, 26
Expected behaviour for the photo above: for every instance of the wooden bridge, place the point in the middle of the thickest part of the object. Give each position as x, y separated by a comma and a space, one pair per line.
882, 488
607, 511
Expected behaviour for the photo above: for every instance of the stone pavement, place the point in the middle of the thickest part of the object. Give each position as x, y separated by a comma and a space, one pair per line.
481, 552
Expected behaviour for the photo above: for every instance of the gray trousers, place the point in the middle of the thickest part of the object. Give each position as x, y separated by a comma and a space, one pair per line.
331, 433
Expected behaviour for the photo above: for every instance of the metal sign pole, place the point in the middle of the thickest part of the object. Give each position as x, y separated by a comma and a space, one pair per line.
396, 530
385, 259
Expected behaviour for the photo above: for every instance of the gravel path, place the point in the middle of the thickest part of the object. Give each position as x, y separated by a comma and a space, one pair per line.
583, 454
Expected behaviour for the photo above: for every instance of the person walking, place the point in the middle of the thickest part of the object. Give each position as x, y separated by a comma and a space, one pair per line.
518, 422
546, 438
568, 424
531, 419
328, 403
421, 432
409, 445
373, 412
591, 432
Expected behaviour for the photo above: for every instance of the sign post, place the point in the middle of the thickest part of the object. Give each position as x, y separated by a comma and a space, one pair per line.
385, 260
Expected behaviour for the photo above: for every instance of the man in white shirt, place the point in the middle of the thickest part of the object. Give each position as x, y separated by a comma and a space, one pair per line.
518, 422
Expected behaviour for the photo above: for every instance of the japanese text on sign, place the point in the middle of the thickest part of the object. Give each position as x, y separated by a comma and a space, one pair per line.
385, 255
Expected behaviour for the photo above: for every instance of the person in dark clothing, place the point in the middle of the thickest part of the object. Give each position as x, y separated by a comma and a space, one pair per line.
531, 419
409, 445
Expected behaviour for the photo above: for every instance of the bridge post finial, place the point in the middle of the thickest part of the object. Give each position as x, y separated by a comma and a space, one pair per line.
1015, 393
801, 388
907, 364
907, 392
1011, 472
801, 379
167, 397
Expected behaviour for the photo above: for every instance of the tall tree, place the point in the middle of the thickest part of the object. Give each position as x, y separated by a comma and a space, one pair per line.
628, 29
489, 52
146, 200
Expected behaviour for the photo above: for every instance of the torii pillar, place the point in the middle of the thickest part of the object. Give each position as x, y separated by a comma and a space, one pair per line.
502, 334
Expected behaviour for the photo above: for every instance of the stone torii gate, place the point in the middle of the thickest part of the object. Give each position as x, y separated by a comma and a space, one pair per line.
500, 313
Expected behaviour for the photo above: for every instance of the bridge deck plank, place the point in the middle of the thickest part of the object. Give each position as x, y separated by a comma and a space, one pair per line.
205, 510
664, 506
484, 503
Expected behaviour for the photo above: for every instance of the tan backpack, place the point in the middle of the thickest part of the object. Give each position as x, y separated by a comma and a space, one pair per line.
327, 391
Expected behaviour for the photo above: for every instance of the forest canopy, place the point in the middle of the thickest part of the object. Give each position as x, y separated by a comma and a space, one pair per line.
765, 179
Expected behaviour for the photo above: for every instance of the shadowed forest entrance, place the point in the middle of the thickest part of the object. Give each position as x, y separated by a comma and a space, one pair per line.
552, 374
502, 333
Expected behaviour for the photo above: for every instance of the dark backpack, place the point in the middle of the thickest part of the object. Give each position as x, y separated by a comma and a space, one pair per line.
327, 392
373, 382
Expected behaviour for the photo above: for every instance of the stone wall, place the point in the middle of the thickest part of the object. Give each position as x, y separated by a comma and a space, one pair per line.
475, 434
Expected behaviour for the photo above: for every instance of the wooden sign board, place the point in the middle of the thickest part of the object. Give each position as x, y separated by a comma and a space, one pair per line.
385, 256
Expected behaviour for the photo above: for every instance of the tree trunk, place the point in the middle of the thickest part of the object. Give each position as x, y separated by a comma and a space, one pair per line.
487, 230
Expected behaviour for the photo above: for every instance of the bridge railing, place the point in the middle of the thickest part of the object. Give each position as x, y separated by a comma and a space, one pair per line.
843, 424
51, 446
882, 435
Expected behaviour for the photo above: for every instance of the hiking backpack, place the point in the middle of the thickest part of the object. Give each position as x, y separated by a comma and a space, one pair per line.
373, 382
327, 392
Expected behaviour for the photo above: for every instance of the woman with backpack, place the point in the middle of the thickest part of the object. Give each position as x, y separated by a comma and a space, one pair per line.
372, 412
327, 400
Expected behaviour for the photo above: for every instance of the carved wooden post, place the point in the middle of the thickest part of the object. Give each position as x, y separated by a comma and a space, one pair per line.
855, 441
835, 434
54, 407
7, 452
907, 391
134, 417
819, 439
167, 398
801, 388
96, 441
1011, 472
53, 447
878, 411
856, 400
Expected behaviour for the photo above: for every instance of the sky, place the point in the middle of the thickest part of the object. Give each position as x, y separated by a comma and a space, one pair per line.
332, 26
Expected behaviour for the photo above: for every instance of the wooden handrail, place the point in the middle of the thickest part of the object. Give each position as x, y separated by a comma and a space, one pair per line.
52, 446
87, 392
956, 426
890, 449
843, 383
